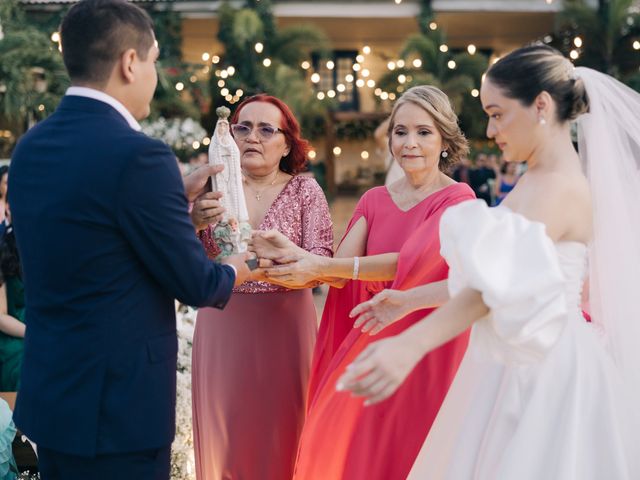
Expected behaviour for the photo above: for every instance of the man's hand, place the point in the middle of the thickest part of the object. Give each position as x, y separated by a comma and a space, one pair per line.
207, 210
240, 262
195, 184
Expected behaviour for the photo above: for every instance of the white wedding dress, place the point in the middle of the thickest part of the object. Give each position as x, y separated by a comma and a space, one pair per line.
537, 396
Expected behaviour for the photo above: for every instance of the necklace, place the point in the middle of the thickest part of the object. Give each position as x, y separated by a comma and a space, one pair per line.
256, 194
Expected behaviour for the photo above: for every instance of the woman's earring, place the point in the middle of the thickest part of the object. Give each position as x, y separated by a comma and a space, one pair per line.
542, 121
444, 154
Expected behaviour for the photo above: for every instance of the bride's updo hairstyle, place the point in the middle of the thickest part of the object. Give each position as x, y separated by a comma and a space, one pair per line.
433, 101
525, 73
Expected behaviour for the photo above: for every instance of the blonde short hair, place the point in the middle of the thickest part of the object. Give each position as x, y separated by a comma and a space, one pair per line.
433, 101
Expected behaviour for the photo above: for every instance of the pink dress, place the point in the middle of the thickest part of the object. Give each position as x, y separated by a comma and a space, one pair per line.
342, 440
251, 360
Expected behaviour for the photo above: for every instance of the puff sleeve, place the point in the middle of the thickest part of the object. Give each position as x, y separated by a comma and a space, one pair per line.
514, 265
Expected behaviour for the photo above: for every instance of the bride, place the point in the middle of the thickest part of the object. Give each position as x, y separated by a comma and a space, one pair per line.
540, 394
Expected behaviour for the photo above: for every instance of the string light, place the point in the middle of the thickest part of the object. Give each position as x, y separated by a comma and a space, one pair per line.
364, 155
417, 63
398, 2
377, 92
231, 70
224, 92
384, 95
312, 154
224, 74
239, 93
193, 79
348, 78
574, 54
337, 151
179, 86
320, 95
330, 65
366, 49
475, 92
305, 65
41, 107
206, 141
577, 42
315, 78
360, 83
220, 83
451, 64
400, 63
215, 59
636, 45
196, 145
471, 49
356, 67
402, 78
391, 65
360, 58
392, 96
259, 47
266, 62
365, 73
55, 37
444, 48
371, 83
331, 94
205, 57
433, 26
340, 87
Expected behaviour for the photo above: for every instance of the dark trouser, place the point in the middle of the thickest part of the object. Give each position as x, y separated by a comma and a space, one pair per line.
144, 465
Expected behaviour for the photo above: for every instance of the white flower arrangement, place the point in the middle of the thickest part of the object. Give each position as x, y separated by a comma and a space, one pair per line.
179, 133
182, 453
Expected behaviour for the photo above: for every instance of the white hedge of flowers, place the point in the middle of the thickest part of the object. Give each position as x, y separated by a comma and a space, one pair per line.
178, 133
182, 454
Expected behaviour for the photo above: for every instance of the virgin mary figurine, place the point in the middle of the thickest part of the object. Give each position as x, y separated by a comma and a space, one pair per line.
233, 232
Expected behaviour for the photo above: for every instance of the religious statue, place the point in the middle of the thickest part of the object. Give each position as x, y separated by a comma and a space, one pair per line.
233, 232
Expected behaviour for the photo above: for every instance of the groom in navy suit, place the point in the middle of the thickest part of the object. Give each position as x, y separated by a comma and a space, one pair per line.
101, 219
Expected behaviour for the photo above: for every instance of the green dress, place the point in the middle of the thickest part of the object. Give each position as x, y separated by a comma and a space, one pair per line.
11, 347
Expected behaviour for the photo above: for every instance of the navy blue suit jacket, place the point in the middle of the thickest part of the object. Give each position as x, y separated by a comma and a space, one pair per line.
103, 230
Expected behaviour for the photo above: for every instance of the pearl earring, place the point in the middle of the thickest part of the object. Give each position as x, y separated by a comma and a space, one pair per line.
542, 121
444, 154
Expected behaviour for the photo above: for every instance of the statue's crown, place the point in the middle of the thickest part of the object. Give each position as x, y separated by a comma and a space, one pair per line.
223, 113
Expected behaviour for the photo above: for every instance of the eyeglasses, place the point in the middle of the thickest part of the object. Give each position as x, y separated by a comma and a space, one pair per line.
265, 132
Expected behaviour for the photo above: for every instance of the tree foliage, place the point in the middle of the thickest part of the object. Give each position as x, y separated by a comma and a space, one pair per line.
435, 69
607, 33
240, 29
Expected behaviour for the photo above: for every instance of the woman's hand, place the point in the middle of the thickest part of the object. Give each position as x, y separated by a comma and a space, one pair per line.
302, 270
207, 210
382, 310
380, 369
275, 246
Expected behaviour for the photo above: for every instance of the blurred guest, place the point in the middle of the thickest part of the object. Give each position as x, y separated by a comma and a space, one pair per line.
12, 309
461, 172
505, 181
251, 363
4, 178
394, 170
480, 176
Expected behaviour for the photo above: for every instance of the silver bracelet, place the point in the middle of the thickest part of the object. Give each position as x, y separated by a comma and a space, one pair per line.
356, 267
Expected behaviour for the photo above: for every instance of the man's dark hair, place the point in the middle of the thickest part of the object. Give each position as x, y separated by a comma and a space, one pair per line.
94, 34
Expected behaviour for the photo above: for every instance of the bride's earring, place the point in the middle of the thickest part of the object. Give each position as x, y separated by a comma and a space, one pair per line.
542, 121
444, 154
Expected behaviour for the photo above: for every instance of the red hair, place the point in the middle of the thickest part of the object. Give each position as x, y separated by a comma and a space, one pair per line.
295, 161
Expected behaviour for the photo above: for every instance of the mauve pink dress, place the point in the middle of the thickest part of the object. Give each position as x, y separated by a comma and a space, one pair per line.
251, 361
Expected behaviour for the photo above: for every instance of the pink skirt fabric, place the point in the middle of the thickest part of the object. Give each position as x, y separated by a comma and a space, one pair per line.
251, 365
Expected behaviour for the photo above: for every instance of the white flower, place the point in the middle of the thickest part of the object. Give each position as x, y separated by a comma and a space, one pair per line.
182, 454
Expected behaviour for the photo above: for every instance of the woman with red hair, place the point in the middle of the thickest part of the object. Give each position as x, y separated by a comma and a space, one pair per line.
251, 361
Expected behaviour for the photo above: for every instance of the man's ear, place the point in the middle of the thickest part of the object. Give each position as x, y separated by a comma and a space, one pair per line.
127, 65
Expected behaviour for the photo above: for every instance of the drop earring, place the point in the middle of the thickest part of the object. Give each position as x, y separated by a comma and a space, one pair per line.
444, 154
542, 121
